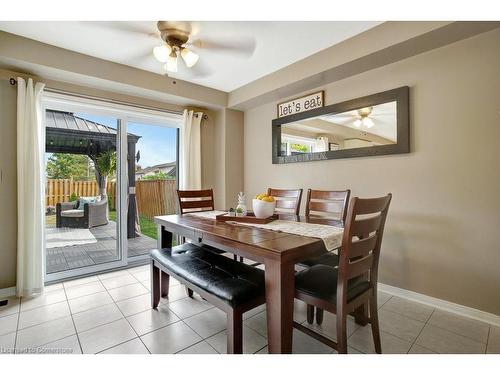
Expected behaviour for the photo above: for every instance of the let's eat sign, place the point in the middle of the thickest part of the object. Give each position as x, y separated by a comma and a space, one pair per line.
306, 103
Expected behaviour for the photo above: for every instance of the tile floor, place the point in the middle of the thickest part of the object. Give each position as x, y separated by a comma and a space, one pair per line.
111, 313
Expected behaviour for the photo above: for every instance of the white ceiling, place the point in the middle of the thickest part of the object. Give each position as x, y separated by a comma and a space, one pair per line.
269, 46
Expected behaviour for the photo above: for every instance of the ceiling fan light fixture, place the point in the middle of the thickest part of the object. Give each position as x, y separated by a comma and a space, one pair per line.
368, 122
162, 52
357, 123
172, 62
189, 57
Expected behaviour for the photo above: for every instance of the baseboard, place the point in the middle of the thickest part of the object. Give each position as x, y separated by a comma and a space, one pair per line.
455, 308
7, 292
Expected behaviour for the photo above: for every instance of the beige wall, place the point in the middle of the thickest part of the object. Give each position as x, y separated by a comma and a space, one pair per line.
8, 185
441, 234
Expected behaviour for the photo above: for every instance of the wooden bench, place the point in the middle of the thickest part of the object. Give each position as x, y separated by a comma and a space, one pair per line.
232, 286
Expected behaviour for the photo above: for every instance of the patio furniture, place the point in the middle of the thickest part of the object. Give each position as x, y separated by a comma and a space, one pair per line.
92, 215
231, 286
288, 200
345, 289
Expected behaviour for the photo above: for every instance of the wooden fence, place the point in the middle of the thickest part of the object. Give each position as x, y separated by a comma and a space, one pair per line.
154, 197
61, 190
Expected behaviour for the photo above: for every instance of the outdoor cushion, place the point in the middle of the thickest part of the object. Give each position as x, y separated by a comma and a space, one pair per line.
83, 200
229, 280
73, 213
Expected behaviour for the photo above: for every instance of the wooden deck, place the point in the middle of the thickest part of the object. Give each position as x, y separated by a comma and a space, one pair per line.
71, 257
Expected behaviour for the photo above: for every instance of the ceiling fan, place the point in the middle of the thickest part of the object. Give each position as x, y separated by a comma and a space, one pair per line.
177, 46
363, 118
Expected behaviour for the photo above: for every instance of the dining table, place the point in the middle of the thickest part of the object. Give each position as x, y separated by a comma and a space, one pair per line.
279, 252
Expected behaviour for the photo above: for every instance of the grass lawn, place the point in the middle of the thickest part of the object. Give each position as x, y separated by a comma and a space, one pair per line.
148, 227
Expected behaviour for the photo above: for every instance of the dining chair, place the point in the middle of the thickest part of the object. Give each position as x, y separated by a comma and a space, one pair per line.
344, 289
195, 200
287, 200
328, 204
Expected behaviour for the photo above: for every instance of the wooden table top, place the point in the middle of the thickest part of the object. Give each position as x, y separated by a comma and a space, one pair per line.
260, 243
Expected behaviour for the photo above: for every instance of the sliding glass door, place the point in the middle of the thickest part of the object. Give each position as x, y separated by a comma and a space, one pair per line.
109, 170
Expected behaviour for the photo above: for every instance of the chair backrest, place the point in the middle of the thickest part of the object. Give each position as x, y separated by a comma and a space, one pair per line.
362, 240
327, 203
287, 200
195, 200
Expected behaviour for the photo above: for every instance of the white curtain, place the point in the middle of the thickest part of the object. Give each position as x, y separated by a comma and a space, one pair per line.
190, 163
321, 144
30, 148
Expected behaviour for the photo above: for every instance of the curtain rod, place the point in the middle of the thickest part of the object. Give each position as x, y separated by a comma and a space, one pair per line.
13, 82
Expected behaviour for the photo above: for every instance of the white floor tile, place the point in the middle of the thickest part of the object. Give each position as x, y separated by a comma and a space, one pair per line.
254, 311
135, 305
170, 339
116, 282
304, 344
12, 306
84, 289
142, 275
362, 340
110, 275
43, 300
68, 345
43, 314
149, 320
444, 341
208, 323
127, 291
472, 329
410, 309
382, 298
139, 269
258, 323
175, 292
328, 327
8, 324
7, 343
53, 287
418, 349
95, 317
252, 341
44, 333
134, 346
399, 325
80, 281
106, 336
200, 348
89, 302
187, 307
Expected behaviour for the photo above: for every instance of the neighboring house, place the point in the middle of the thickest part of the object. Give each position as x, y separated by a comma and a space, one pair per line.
168, 168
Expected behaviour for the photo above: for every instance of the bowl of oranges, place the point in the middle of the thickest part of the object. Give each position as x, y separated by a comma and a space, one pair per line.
263, 206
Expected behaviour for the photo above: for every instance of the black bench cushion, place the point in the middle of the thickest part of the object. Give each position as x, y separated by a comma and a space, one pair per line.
320, 281
229, 280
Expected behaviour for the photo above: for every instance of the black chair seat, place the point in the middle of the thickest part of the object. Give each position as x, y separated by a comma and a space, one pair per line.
229, 280
320, 281
328, 259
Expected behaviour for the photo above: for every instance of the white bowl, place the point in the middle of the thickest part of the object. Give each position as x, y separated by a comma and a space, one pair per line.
262, 209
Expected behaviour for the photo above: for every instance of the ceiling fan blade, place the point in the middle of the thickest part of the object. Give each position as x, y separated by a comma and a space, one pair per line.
243, 46
201, 69
147, 28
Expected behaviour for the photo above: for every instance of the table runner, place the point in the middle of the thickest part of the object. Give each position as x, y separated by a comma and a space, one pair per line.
330, 235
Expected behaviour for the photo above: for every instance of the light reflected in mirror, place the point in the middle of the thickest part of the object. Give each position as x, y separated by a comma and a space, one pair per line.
364, 127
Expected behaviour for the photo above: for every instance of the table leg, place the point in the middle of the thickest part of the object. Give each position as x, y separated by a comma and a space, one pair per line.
164, 237
280, 291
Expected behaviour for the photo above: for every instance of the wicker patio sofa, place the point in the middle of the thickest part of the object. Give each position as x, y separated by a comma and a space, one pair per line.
92, 215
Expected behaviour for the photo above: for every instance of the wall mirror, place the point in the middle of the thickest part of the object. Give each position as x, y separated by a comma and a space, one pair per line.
376, 124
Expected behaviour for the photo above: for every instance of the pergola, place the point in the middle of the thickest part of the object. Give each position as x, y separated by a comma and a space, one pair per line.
69, 134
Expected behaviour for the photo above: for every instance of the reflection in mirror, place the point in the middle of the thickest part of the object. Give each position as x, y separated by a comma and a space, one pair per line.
364, 127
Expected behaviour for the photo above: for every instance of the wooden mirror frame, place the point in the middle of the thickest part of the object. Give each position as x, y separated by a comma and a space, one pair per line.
400, 96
